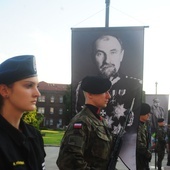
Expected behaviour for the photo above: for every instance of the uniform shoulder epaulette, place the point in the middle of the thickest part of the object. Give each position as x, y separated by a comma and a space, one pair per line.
134, 78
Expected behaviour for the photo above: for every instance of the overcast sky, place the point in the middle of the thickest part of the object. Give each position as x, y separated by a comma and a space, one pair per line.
43, 28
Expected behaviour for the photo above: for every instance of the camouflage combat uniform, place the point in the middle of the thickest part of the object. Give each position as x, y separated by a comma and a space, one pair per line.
161, 144
168, 143
143, 154
86, 144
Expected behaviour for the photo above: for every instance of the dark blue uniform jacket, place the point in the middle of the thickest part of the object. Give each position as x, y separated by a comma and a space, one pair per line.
20, 150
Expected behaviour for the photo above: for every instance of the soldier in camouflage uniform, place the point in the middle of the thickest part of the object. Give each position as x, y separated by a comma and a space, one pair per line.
161, 141
143, 154
168, 144
87, 142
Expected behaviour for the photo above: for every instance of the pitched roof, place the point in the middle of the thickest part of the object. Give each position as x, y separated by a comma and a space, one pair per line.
52, 86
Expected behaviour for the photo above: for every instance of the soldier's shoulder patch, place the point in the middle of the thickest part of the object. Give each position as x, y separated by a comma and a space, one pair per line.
77, 125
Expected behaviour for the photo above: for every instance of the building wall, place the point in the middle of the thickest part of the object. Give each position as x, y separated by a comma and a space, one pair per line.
50, 103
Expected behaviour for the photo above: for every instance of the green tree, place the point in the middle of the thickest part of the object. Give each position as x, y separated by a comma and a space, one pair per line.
33, 118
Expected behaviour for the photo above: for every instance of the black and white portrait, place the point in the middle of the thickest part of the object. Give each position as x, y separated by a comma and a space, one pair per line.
117, 54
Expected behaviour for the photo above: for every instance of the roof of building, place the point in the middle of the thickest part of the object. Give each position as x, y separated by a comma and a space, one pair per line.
52, 86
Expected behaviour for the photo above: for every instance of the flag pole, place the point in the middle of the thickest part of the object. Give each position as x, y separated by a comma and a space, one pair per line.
107, 13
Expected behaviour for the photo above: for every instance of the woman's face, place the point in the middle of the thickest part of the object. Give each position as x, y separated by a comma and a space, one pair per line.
23, 94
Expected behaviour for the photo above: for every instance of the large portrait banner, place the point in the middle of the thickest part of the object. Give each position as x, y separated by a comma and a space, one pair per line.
115, 53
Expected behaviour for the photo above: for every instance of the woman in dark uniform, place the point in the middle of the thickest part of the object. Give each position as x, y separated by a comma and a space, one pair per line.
21, 145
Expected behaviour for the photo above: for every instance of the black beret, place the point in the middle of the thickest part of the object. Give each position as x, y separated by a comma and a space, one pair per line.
95, 84
17, 68
160, 119
145, 109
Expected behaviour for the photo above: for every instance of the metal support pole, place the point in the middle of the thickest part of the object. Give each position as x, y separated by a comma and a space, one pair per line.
107, 13
156, 86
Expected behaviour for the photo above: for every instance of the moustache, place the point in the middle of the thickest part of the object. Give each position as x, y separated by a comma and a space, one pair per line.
108, 70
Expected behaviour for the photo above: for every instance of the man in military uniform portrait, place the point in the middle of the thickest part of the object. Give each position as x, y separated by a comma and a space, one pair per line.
157, 112
108, 59
108, 55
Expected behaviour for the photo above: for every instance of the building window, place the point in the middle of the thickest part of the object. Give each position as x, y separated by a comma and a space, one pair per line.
51, 110
52, 99
51, 121
59, 123
61, 99
47, 122
41, 110
60, 111
41, 98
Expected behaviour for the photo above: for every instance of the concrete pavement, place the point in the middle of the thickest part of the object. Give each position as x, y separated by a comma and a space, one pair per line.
52, 154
